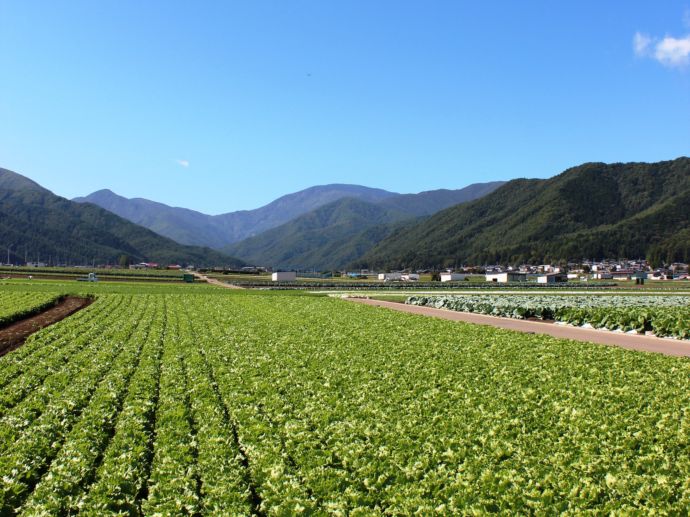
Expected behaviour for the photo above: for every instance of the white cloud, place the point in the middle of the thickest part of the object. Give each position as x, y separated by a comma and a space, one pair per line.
673, 51
669, 51
183, 163
641, 44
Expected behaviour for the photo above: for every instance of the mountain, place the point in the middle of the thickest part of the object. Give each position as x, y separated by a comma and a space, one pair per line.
337, 233
431, 201
595, 210
323, 238
180, 224
35, 221
190, 227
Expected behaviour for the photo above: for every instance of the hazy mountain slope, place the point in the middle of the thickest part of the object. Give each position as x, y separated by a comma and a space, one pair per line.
36, 221
595, 210
335, 234
431, 201
10, 180
180, 224
190, 227
322, 238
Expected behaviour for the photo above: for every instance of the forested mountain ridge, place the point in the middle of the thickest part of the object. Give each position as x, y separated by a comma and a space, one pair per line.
192, 227
35, 223
335, 234
595, 210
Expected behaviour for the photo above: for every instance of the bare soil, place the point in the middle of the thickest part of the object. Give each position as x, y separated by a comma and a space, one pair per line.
215, 281
13, 335
666, 346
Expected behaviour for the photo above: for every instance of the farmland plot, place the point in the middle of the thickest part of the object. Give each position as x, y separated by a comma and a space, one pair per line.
15, 305
239, 405
662, 315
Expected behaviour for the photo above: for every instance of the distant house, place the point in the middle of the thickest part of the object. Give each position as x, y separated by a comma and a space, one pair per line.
389, 277
35, 264
602, 275
622, 274
174, 266
452, 277
552, 278
410, 277
505, 277
284, 276
144, 265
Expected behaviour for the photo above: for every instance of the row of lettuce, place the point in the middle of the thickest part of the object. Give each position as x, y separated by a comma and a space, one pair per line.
665, 316
16, 305
238, 405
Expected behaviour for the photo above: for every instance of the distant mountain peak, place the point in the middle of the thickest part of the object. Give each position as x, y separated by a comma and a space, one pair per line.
46, 225
189, 227
10, 180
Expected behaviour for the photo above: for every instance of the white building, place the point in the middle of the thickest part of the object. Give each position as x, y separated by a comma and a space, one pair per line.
389, 277
503, 278
284, 276
452, 277
552, 278
409, 277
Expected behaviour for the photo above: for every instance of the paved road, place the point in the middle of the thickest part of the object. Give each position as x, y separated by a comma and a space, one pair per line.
631, 341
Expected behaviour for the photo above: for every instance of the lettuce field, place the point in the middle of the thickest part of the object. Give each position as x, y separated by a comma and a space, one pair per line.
234, 403
15, 305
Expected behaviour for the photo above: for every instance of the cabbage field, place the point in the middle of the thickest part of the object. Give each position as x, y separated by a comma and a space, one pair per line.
233, 403
665, 316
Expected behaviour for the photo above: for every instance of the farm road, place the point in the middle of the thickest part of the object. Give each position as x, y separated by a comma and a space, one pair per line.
214, 281
630, 341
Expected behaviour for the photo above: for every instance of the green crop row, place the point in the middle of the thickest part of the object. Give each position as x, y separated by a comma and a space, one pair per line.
35, 427
18, 305
665, 316
279, 405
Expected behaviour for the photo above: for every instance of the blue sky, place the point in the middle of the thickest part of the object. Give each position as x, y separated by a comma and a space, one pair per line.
219, 106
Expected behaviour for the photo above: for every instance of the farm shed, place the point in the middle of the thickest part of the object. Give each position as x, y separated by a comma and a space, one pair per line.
506, 277
410, 277
284, 276
387, 277
452, 277
552, 278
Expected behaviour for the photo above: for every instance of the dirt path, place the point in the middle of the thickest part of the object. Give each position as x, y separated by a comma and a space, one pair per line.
14, 335
603, 337
215, 281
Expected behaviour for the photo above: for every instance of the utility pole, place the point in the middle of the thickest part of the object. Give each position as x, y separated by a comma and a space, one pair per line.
8, 255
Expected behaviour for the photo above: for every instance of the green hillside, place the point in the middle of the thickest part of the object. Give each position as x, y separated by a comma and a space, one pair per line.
595, 210
36, 222
431, 201
335, 234
195, 228
325, 238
